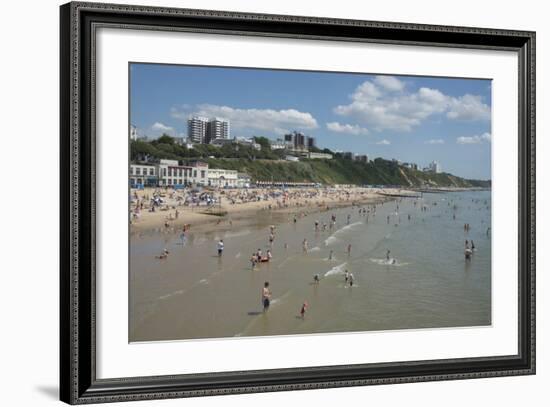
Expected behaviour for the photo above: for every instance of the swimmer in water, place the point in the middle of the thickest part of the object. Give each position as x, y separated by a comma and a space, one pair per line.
316, 278
303, 309
346, 277
253, 260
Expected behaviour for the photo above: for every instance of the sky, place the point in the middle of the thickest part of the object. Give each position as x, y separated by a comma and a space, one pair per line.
410, 118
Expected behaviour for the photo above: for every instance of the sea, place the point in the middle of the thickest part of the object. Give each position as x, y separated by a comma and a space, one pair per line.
423, 282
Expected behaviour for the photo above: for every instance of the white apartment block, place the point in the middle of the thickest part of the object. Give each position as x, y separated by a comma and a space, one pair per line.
216, 129
196, 129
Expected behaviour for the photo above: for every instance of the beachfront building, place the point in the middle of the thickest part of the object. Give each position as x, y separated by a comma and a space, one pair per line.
199, 173
196, 129
170, 173
143, 175
216, 129
219, 178
243, 180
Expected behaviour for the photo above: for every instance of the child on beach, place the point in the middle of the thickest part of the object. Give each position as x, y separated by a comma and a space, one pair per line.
220, 248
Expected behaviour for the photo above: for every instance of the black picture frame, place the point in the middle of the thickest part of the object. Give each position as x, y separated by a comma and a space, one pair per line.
78, 382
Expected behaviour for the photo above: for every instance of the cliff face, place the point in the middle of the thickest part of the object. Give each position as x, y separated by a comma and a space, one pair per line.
341, 171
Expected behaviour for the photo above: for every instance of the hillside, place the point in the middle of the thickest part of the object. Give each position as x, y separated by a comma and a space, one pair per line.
342, 171
268, 165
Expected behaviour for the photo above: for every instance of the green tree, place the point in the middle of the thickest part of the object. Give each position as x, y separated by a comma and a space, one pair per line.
165, 139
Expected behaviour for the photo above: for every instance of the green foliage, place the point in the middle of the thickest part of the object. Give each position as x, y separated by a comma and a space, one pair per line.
268, 165
164, 139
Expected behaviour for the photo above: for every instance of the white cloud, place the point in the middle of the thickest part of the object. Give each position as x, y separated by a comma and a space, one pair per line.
347, 128
383, 143
435, 141
384, 104
158, 126
469, 107
390, 83
277, 121
485, 137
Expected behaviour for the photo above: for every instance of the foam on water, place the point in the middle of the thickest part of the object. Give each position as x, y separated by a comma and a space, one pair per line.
166, 296
390, 262
315, 249
333, 238
336, 270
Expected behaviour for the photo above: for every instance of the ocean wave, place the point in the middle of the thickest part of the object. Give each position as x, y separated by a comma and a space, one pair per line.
331, 240
336, 270
334, 239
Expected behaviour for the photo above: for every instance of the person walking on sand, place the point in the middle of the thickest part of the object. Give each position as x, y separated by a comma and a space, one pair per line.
220, 248
304, 246
266, 296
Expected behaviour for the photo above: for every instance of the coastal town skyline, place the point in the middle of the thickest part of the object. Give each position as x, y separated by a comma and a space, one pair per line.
412, 119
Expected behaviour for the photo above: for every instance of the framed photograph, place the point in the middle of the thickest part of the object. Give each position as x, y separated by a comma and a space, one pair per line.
255, 203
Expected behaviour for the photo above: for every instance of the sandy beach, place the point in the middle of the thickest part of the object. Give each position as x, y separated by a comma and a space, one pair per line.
177, 209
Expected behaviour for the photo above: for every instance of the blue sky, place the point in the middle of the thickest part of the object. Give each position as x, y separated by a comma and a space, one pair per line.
410, 118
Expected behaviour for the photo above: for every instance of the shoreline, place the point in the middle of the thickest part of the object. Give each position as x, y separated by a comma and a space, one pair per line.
303, 201
194, 218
